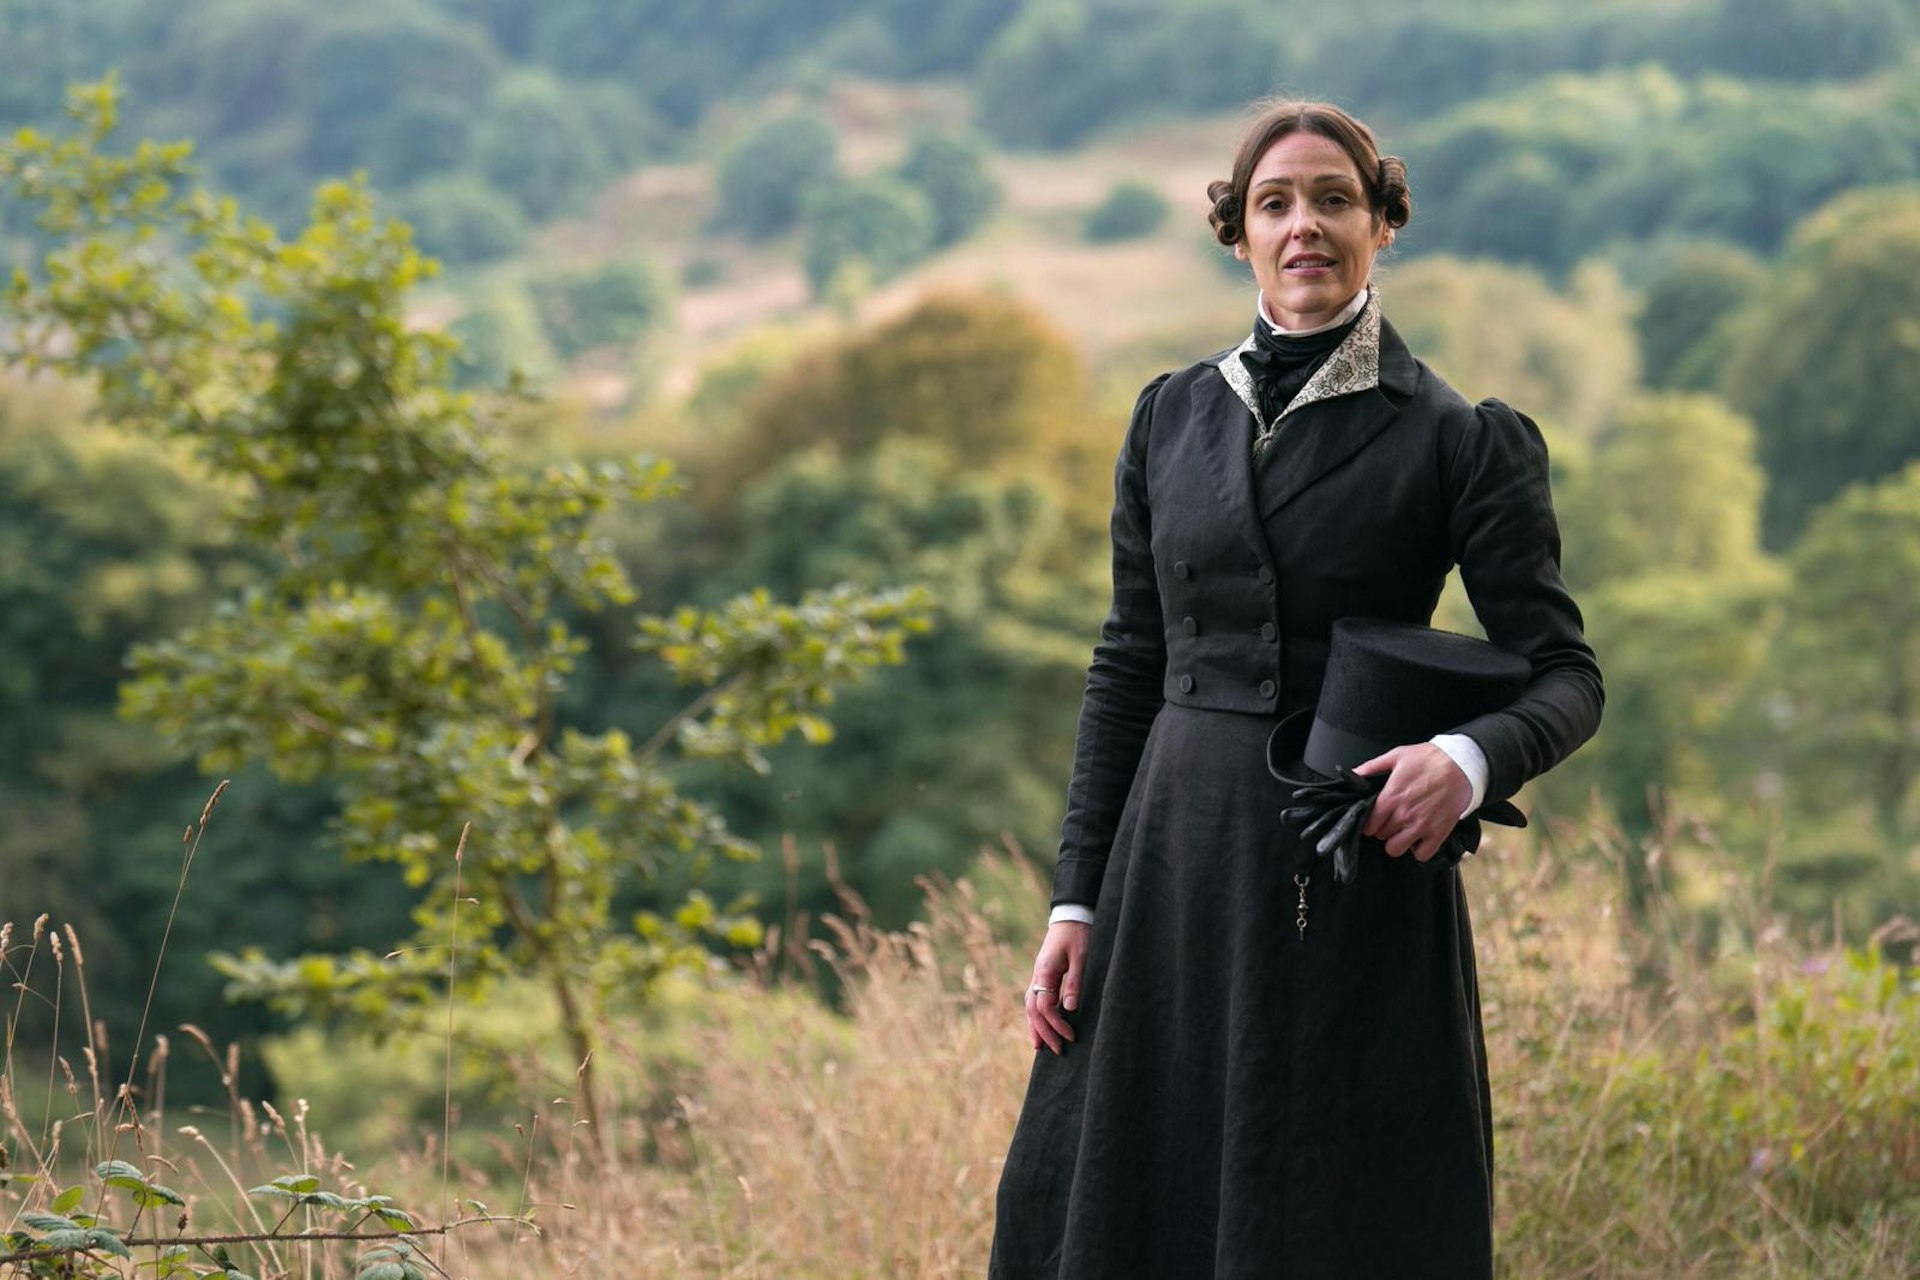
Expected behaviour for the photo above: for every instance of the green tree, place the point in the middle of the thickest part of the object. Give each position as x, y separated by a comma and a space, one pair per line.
967, 744
408, 640
500, 335
612, 303
862, 233
365, 66
1663, 546
1698, 285
1672, 486
1850, 658
951, 171
981, 375
536, 143
1826, 360
1129, 211
766, 176
462, 220
1568, 358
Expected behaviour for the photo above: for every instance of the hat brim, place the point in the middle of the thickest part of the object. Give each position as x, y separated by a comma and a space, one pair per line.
1287, 748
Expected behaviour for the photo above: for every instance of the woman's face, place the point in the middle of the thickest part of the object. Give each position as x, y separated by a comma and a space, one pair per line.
1310, 236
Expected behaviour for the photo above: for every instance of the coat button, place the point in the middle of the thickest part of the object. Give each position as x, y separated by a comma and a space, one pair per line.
1180, 569
1268, 688
1186, 684
1268, 631
1191, 627
1266, 575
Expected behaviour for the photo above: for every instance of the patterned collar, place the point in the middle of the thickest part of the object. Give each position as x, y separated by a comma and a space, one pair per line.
1353, 366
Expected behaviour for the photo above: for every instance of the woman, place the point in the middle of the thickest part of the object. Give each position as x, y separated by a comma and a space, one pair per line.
1216, 1095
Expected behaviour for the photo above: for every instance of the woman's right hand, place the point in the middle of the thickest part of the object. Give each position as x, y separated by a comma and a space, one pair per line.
1059, 964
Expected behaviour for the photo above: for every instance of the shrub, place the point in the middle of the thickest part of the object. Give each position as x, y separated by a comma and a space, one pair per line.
1131, 210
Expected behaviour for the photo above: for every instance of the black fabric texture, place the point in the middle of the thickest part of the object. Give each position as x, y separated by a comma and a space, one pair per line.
1243, 1101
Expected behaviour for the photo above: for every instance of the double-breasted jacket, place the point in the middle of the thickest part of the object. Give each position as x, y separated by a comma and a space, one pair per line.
1229, 569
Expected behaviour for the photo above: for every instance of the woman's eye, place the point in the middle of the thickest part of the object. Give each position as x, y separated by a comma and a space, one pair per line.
1274, 206
1336, 201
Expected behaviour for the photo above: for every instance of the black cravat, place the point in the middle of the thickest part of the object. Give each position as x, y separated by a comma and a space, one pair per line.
1281, 363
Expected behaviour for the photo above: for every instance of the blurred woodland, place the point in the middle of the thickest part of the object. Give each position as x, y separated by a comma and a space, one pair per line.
715, 517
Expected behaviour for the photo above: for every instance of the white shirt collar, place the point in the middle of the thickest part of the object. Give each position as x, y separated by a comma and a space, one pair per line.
1347, 313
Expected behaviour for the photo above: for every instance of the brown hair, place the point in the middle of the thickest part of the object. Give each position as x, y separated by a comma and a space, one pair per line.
1384, 178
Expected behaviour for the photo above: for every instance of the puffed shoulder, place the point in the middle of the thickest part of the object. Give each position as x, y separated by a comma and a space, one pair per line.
1494, 463
1494, 426
1134, 447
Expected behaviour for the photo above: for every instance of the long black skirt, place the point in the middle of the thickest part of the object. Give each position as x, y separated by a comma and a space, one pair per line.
1242, 1102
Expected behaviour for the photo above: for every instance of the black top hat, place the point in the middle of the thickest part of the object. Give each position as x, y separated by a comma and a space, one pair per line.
1391, 683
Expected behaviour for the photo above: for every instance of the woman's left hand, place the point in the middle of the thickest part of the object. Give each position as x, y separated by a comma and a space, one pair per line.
1423, 798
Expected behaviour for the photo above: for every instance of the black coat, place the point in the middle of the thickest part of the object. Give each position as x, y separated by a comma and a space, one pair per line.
1240, 1101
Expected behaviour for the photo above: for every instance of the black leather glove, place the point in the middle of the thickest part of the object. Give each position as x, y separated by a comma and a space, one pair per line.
1330, 815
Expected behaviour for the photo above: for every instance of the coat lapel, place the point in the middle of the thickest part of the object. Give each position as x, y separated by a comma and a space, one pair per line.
1350, 399
1230, 455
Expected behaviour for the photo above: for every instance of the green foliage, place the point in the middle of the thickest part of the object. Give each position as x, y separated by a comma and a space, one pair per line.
371, 73
500, 334
860, 233
1824, 358
613, 303
1801, 1113
1802, 39
766, 177
536, 143
65, 1241
1065, 68
1698, 285
1570, 165
980, 376
1673, 484
409, 639
1129, 211
1850, 649
966, 745
951, 171
1681, 601
1568, 358
462, 220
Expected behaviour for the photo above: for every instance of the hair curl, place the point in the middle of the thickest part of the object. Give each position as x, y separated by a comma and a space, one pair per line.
1384, 178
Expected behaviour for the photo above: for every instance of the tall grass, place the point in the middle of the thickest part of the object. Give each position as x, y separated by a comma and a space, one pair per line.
1702, 1091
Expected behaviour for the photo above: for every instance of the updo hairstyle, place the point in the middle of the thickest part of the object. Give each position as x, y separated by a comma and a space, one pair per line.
1383, 177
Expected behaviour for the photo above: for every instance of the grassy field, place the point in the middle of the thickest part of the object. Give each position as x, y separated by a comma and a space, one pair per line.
1702, 1094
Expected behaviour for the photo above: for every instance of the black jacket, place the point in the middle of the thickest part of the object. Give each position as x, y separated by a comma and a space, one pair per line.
1378, 480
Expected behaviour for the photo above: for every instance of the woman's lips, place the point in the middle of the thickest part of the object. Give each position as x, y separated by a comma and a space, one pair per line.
1310, 267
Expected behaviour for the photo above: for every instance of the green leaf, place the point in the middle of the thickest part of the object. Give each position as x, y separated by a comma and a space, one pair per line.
118, 1173
108, 1241
49, 1222
155, 1196
69, 1200
299, 1183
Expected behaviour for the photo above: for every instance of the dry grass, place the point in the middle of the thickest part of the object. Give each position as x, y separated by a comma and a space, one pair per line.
1700, 1095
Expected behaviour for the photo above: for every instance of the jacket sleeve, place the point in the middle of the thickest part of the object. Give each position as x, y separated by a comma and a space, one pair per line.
1124, 680
1503, 535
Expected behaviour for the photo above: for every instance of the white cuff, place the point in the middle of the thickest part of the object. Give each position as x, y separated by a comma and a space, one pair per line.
1466, 753
1071, 911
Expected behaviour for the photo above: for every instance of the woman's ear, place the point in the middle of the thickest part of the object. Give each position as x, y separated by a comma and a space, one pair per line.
1240, 250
